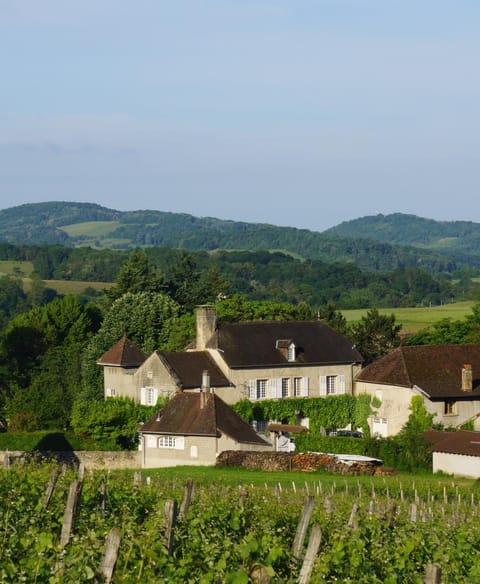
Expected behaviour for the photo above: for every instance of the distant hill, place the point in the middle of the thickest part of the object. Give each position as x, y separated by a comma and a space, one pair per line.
391, 241
458, 238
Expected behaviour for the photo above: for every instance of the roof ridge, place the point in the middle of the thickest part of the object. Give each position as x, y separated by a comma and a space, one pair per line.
404, 363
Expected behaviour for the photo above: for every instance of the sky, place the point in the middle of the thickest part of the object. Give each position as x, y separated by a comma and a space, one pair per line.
301, 113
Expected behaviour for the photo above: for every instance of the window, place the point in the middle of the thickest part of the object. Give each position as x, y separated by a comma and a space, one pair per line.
285, 386
450, 408
300, 386
261, 388
148, 396
331, 384
259, 425
176, 442
111, 392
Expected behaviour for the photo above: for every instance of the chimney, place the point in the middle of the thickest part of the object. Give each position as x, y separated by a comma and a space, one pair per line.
205, 389
467, 378
205, 382
206, 325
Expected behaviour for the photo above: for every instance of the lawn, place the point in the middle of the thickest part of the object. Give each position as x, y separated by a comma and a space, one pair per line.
413, 319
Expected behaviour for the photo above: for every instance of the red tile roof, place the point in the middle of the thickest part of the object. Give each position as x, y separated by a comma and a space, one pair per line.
184, 415
464, 442
123, 354
435, 369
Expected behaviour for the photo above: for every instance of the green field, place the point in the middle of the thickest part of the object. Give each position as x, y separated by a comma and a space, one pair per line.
90, 229
75, 286
14, 268
413, 319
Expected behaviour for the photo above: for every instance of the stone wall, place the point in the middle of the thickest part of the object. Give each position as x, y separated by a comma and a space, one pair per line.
95, 460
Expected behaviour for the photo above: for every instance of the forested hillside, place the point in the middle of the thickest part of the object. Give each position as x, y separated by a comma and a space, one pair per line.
85, 224
459, 239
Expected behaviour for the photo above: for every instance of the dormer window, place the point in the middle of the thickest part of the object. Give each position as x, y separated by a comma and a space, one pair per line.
287, 348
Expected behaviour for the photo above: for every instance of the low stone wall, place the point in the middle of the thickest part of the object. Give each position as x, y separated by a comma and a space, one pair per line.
91, 459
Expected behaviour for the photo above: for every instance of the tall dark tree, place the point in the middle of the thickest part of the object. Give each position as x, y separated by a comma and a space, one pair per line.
375, 335
136, 275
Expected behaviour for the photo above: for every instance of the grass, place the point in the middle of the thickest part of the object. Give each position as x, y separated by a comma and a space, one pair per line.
414, 319
75, 286
260, 478
90, 228
15, 268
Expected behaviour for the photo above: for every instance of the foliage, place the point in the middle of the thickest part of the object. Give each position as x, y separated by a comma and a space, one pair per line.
221, 540
239, 309
112, 424
375, 335
43, 440
324, 414
136, 275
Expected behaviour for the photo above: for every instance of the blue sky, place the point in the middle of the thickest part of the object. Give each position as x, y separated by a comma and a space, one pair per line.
293, 112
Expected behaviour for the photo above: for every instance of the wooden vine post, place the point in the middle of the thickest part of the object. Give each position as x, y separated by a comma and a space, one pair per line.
187, 498
170, 522
302, 528
310, 555
433, 574
51, 487
107, 567
70, 512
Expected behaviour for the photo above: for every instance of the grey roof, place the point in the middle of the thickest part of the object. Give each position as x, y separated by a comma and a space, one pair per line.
256, 344
188, 368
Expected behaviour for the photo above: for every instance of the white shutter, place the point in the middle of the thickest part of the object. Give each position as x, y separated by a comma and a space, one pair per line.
179, 442
252, 392
270, 389
277, 391
304, 390
341, 383
143, 397
323, 385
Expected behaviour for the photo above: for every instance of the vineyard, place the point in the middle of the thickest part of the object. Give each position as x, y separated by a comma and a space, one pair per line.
62, 525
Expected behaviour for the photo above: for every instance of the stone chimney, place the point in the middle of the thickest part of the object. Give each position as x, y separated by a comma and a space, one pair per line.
205, 389
467, 378
206, 325
206, 382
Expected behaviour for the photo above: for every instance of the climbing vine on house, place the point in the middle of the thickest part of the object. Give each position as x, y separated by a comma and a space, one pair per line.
323, 413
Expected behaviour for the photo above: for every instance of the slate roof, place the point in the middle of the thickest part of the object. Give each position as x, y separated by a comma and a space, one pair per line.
183, 415
435, 369
255, 344
187, 368
464, 442
123, 354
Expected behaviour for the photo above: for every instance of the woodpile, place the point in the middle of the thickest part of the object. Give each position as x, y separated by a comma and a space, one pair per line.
306, 462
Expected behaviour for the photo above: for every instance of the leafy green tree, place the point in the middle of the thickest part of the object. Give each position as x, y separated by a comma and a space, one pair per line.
334, 318
136, 275
375, 335
112, 424
413, 448
183, 285
237, 309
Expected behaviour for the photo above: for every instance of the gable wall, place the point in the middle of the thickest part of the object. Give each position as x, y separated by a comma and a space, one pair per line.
205, 448
120, 381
